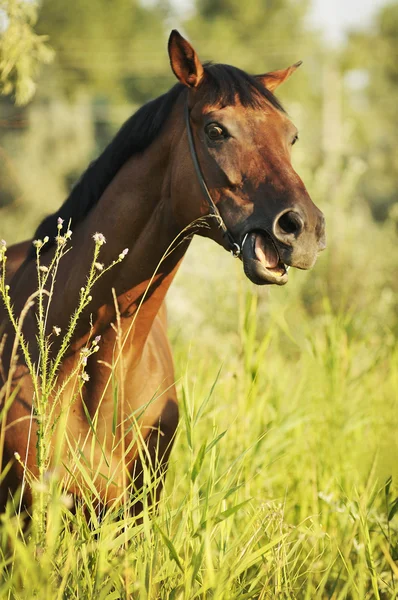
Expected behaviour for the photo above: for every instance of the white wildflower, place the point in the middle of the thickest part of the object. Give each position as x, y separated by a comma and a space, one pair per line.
123, 254
99, 238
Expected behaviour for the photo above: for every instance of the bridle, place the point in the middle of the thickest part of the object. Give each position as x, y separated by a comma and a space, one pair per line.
234, 247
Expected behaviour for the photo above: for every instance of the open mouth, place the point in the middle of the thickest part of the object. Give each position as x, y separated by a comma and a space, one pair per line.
261, 260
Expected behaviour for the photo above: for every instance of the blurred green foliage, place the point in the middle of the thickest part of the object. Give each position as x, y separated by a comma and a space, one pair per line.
100, 51
22, 51
373, 108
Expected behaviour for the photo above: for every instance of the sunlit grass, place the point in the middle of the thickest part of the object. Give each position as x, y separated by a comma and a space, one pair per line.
275, 489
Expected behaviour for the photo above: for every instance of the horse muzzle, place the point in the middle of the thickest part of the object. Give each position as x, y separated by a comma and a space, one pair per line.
267, 256
261, 259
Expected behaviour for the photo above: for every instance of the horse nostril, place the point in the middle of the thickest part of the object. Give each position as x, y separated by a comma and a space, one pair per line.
290, 222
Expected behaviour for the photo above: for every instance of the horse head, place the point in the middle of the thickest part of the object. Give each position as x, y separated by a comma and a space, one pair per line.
243, 140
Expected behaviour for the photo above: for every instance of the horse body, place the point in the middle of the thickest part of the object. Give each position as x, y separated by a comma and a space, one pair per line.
147, 205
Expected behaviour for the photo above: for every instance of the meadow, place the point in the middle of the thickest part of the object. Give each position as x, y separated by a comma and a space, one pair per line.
282, 480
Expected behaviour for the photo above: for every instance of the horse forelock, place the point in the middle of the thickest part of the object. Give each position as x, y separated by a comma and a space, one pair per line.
225, 84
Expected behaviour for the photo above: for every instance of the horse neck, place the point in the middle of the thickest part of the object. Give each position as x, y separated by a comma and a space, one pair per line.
135, 212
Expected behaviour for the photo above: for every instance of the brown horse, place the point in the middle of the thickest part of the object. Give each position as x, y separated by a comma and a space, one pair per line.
216, 147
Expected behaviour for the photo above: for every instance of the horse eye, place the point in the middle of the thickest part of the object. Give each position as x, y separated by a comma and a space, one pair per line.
295, 139
214, 131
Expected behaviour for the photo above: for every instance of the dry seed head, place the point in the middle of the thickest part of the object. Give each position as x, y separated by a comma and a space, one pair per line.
67, 500
39, 487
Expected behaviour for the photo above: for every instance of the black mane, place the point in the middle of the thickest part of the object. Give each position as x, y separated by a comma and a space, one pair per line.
137, 133
224, 84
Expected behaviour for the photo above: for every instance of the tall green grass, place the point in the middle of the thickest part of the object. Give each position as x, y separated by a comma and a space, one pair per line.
275, 489
282, 480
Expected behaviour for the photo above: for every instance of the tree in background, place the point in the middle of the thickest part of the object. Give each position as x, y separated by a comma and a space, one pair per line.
22, 50
107, 61
102, 50
371, 56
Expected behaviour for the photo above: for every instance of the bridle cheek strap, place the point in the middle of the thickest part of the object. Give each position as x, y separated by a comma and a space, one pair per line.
234, 247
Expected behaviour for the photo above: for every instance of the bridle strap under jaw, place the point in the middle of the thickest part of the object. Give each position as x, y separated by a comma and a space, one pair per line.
233, 246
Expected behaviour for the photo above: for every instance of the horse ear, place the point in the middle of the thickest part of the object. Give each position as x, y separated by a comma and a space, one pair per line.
184, 61
272, 80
